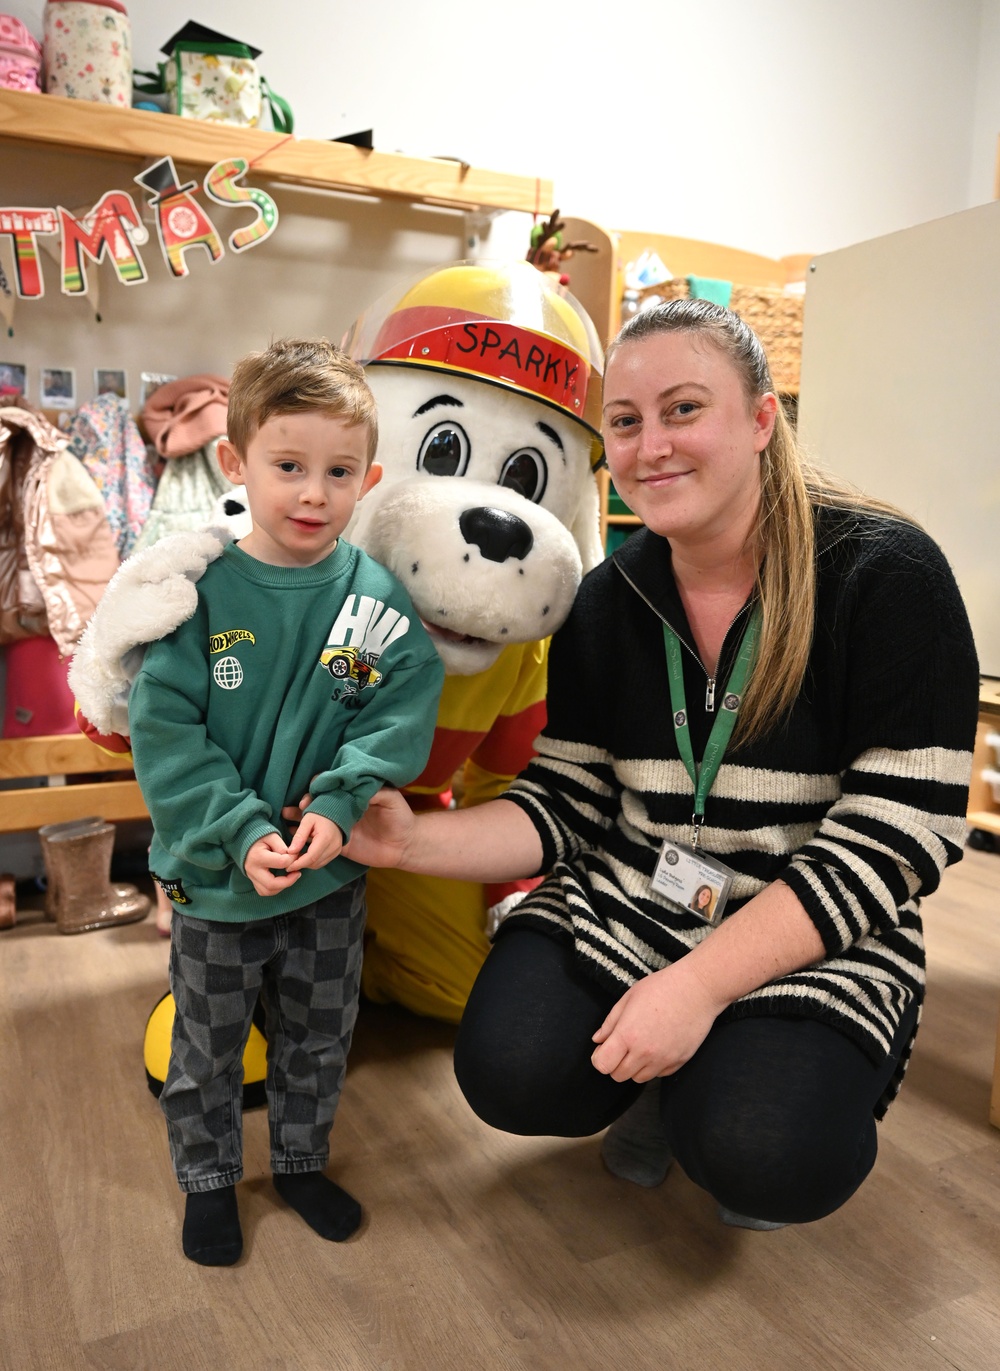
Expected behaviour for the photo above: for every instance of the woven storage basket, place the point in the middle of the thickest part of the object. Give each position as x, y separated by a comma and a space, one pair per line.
774, 315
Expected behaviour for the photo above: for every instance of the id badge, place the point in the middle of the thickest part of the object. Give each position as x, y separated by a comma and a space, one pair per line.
698, 882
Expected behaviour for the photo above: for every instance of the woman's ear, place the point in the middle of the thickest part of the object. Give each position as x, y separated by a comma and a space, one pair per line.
765, 413
230, 461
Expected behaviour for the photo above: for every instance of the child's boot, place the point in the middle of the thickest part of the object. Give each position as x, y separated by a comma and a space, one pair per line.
78, 859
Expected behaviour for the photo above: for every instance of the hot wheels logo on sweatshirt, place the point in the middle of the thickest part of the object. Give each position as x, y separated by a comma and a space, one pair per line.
219, 642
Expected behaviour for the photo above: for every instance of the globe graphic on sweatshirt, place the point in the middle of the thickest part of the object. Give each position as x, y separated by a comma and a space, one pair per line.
228, 673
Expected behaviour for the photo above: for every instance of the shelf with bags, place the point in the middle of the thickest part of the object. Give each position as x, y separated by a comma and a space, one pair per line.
85, 126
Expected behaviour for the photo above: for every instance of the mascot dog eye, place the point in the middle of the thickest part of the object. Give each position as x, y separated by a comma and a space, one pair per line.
444, 451
525, 472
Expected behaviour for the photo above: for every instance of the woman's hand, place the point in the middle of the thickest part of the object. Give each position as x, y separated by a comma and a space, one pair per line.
384, 832
662, 1020
656, 1026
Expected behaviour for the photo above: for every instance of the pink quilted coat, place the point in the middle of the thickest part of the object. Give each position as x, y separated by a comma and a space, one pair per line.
57, 551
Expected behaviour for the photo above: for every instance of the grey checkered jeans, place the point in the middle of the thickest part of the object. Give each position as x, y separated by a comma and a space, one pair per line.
306, 965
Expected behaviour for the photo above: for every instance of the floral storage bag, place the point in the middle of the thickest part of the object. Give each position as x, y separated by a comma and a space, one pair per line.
20, 56
88, 51
210, 76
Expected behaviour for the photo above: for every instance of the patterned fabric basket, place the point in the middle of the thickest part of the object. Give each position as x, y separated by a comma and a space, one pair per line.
773, 314
88, 51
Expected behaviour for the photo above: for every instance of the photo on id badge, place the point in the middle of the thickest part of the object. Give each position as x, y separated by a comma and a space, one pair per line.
698, 882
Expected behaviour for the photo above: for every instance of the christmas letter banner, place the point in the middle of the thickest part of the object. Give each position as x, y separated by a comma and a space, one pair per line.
114, 230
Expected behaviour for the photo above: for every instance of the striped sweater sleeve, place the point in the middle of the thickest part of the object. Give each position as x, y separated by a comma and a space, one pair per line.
909, 726
570, 790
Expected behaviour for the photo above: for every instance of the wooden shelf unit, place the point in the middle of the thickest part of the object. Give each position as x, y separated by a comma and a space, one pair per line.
597, 278
984, 809
83, 126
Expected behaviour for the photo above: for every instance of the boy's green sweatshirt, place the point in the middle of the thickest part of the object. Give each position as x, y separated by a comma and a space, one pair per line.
284, 680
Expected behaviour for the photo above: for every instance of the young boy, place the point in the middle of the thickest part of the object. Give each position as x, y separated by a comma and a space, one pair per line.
303, 668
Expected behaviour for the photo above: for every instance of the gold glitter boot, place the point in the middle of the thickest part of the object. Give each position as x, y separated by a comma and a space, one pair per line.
78, 860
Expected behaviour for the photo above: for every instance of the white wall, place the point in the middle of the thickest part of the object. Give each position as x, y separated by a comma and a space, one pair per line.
779, 126
986, 126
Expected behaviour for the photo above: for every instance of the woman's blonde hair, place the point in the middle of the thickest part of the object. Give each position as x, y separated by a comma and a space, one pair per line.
784, 532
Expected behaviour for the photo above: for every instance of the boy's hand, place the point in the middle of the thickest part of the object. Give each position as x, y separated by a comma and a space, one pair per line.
267, 852
321, 840
292, 814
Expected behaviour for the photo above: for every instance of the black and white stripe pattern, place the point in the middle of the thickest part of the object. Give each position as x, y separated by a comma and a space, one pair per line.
856, 801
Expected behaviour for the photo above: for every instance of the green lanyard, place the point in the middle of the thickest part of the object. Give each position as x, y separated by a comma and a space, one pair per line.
725, 721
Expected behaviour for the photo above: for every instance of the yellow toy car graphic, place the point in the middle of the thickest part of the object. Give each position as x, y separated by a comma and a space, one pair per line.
348, 664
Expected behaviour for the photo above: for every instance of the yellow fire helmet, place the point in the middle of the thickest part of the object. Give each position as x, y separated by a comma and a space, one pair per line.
504, 323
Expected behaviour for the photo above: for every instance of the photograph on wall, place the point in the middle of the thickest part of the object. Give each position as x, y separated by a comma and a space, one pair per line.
110, 382
58, 388
13, 382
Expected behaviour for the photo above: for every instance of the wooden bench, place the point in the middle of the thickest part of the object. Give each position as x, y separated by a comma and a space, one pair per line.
111, 790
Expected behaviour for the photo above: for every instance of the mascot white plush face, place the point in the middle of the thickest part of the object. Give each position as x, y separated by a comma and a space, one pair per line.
487, 510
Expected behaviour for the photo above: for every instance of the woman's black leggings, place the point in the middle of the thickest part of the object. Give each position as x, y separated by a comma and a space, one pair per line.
774, 1117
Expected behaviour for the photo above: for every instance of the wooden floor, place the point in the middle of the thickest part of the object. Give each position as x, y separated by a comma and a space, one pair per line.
480, 1250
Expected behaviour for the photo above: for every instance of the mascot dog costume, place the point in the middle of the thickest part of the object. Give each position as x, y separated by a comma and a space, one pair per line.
487, 379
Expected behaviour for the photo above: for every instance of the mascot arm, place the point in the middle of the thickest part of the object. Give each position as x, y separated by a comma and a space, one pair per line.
115, 744
150, 595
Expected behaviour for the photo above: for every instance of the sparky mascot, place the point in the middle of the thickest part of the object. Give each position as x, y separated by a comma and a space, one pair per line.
487, 380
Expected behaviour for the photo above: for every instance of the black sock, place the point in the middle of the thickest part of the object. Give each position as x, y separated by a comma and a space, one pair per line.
327, 1209
212, 1235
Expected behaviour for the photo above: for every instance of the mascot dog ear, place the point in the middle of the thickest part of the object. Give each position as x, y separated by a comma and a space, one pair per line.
230, 512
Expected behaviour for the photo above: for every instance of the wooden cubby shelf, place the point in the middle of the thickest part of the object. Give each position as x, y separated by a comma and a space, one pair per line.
984, 809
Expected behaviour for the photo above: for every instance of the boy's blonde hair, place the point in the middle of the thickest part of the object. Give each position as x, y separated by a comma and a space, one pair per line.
295, 376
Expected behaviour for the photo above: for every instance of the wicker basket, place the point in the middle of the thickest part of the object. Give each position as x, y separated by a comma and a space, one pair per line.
773, 314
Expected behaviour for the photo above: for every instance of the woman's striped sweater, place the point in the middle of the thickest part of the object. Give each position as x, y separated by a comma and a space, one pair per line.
856, 800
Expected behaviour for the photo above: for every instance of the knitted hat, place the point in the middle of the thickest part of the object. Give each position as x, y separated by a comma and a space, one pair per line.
183, 415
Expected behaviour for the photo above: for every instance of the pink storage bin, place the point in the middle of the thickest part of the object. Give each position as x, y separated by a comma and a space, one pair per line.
20, 56
88, 51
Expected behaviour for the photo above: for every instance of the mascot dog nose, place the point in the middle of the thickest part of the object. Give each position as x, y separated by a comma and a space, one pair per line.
497, 533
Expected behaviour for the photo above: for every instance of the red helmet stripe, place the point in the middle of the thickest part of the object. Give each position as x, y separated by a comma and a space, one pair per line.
464, 342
